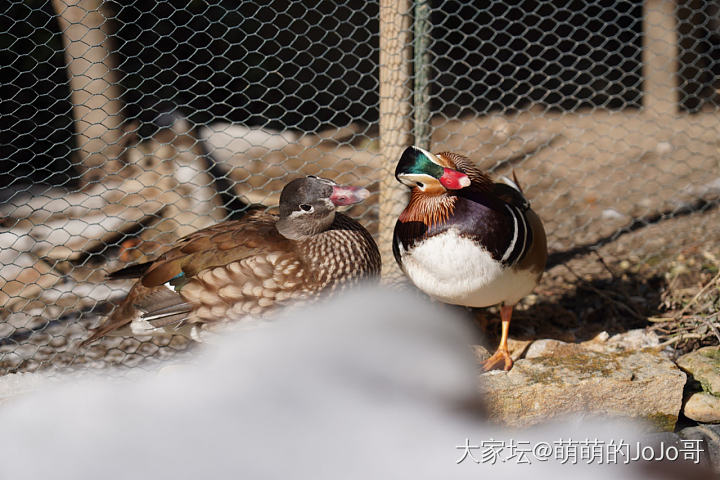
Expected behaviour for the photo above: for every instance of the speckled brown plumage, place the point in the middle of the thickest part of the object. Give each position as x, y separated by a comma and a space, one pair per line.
278, 269
244, 268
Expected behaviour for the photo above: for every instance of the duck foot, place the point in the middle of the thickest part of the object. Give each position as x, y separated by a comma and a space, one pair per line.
502, 352
497, 357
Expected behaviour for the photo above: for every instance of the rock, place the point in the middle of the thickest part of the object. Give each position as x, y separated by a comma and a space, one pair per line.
698, 447
557, 378
612, 214
631, 340
703, 407
637, 339
543, 347
704, 365
709, 436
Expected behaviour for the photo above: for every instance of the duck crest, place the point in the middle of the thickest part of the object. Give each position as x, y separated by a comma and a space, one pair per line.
480, 181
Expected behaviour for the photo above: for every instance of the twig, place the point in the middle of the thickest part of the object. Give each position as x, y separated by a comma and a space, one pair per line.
683, 336
697, 295
712, 326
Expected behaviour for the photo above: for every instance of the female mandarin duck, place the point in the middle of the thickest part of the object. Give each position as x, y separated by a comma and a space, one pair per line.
245, 267
466, 240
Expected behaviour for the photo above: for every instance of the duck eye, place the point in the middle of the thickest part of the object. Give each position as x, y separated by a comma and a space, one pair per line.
305, 207
420, 184
312, 176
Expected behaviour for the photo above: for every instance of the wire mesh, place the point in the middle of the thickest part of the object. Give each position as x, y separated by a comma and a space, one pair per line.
126, 125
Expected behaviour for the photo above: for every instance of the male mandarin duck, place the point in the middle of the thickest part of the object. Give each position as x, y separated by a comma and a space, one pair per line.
466, 240
243, 268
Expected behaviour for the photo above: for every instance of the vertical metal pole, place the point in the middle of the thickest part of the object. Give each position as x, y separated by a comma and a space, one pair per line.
660, 58
395, 120
95, 90
421, 64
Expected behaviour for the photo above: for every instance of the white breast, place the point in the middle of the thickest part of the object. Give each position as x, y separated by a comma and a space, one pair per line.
456, 270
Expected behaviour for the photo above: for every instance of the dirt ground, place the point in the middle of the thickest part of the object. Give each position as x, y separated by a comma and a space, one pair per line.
629, 204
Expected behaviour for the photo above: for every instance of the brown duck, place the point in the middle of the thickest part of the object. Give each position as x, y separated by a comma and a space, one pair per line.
466, 240
247, 267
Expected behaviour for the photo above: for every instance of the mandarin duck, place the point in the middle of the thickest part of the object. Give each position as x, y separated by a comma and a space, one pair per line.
247, 267
466, 240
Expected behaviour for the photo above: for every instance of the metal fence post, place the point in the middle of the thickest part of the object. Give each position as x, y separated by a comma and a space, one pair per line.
395, 120
95, 91
660, 52
421, 67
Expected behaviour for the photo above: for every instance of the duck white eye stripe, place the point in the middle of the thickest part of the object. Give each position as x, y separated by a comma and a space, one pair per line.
511, 247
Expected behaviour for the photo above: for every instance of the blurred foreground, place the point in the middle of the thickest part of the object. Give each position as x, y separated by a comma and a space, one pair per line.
375, 384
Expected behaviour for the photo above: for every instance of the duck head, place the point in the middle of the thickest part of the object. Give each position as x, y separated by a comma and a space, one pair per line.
429, 173
307, 205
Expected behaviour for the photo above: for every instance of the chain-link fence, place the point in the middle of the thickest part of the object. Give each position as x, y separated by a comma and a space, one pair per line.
126, 125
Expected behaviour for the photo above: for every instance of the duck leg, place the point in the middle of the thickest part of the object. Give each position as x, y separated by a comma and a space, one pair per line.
502, 352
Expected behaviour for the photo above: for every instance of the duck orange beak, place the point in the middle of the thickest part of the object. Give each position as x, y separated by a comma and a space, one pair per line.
454, 180
348, 195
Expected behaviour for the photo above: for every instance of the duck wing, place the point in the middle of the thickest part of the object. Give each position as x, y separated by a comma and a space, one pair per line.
215, 246
236, 246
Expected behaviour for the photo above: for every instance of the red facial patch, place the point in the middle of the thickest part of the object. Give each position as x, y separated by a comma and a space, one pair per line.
454, 180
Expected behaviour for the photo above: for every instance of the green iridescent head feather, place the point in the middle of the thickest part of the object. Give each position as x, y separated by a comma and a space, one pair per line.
416, 161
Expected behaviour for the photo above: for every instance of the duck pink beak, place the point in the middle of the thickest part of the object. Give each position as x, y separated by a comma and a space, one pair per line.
348, 194
454, 180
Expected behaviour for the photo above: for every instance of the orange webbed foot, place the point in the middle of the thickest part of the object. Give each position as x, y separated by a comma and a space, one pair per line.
502, 352
495, 360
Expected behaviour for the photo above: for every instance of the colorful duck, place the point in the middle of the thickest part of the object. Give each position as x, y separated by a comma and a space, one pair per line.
465, 239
